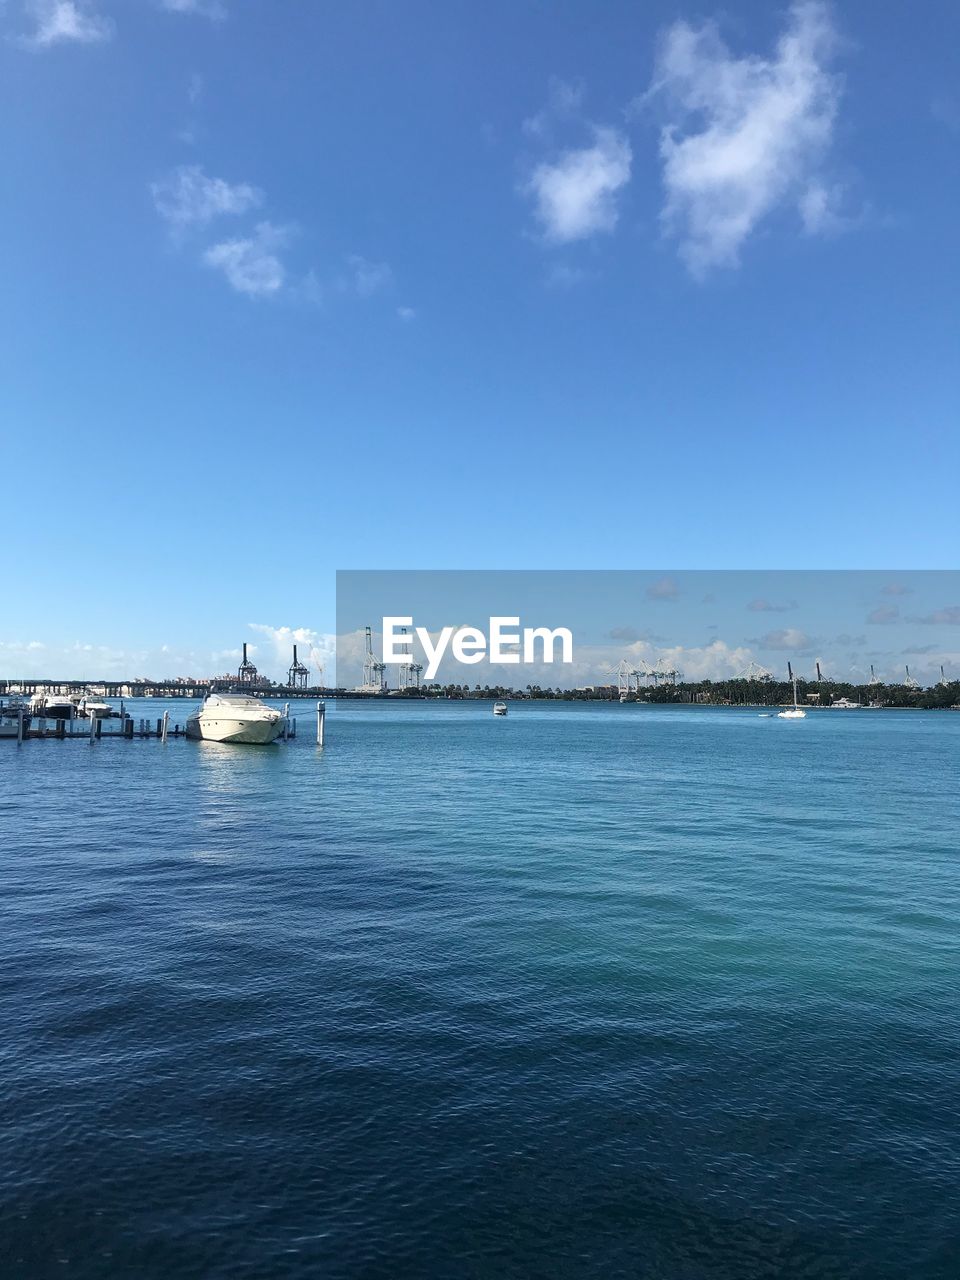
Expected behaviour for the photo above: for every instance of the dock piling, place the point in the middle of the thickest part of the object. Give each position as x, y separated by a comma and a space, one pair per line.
164, 725
321, 716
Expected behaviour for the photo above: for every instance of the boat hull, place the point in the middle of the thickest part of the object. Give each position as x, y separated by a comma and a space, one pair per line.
50, 710
223, 729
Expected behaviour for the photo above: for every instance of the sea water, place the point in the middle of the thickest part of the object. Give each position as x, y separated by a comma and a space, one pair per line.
588, 991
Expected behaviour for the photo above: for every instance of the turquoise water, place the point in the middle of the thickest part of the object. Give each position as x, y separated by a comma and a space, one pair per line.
590, 991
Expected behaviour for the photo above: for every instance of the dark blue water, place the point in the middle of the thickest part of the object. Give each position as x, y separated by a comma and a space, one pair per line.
587, 992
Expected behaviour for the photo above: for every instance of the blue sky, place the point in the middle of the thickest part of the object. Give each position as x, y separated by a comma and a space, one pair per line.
290, 288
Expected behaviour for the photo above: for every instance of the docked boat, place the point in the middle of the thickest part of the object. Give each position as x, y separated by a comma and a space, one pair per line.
12, 712
54, 706
845, 704
499, 708
796, 712
234, 717
95, 709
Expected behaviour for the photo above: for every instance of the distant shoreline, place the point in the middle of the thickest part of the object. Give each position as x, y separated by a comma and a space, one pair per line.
887, 698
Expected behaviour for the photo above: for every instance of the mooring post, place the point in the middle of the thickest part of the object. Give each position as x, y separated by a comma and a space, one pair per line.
321, 715
286, 721
164, 725
19, 724
93, 728
128, 727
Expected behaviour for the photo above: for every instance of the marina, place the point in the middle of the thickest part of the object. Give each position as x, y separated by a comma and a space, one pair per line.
18, 723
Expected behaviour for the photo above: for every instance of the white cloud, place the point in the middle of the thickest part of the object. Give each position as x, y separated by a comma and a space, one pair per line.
314, 648
575, 196
560, 275
251, 263
60, 21
204, 8
665, 589
946, 617
715, 661
821, 210
784, 639
884, 614
366, 277
188, 197
748, 134
406, 314
564, 100
769, 606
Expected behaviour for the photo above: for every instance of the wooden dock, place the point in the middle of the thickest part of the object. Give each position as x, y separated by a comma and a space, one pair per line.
19, 724
27, 727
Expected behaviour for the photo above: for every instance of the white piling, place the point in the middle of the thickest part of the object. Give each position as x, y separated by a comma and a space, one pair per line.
321, 715
164, 726
93, 727
286, 721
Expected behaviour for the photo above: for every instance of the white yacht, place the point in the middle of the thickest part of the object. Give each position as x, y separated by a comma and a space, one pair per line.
499, 708
796, 712
845, 704
234, 717
54, 706
95, 709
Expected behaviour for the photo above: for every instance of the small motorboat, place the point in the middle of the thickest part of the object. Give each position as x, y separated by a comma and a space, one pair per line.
499, 708
95, 709
234, 717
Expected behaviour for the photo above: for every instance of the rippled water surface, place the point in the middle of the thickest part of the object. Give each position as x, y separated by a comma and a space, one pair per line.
585, 992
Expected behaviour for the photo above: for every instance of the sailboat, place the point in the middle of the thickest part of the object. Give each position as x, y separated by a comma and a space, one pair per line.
796, 712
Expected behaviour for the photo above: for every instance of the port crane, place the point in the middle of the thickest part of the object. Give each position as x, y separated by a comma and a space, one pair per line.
661, 672
754, 672
247, 673
316, 658
410, 672
374, 678
629, 678
625, 674
298, 675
